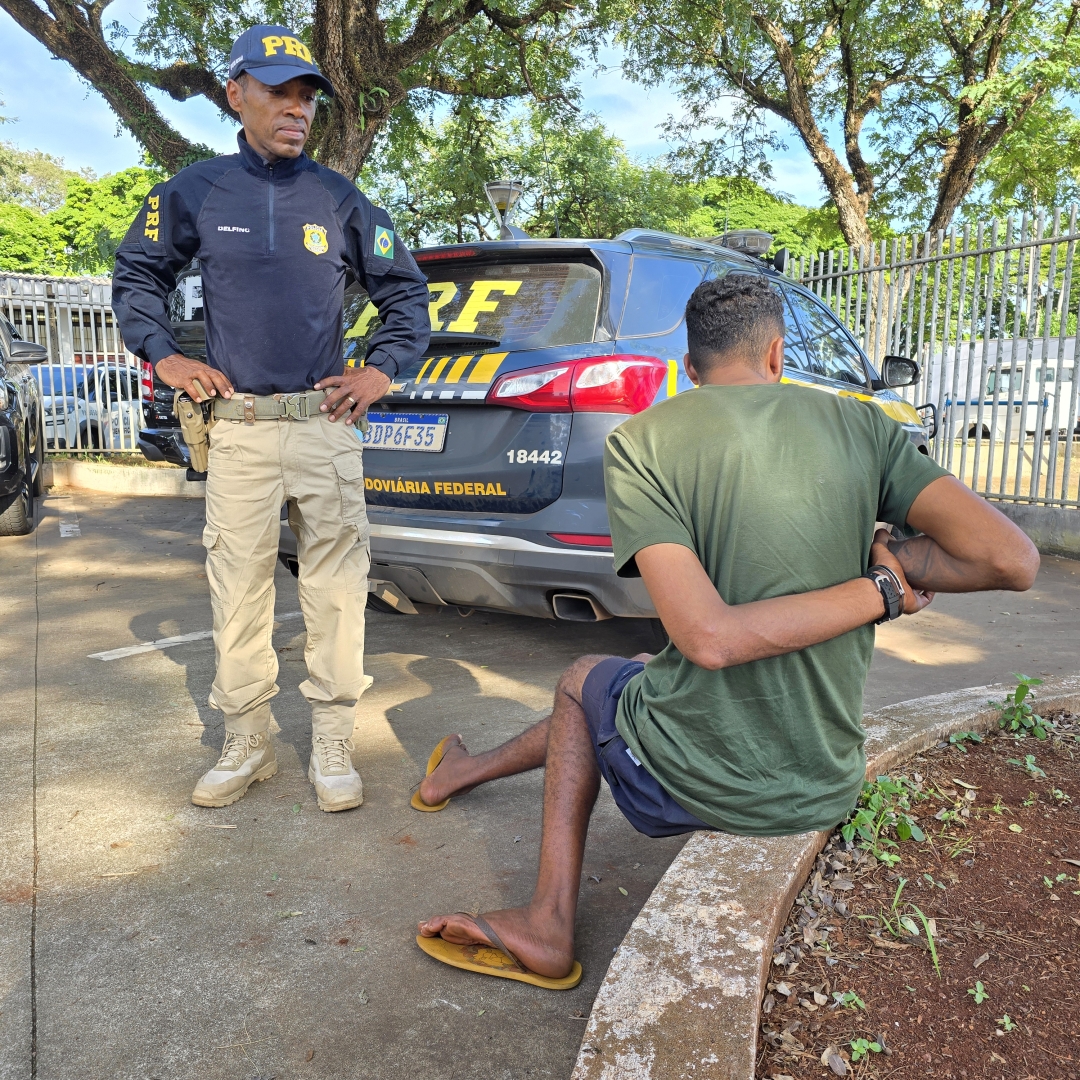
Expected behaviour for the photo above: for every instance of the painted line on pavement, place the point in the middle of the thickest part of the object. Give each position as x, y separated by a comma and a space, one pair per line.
169, 642
68, 518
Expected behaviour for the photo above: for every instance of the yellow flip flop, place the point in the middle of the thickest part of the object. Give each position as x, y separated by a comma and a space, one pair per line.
432, 764
494, 959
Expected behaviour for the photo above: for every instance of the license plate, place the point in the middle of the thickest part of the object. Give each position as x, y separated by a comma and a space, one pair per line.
425, 432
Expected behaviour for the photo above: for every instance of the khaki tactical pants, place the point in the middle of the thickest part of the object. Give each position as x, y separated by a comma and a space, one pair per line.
317, 466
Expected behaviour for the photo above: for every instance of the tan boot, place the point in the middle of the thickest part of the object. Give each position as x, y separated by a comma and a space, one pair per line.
337, 784
244, 759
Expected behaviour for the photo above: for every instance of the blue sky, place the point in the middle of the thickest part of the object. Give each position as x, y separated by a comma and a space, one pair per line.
55, 111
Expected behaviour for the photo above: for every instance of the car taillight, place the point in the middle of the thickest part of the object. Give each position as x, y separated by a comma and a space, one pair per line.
545, 389
146, 380
619, 384
582, 539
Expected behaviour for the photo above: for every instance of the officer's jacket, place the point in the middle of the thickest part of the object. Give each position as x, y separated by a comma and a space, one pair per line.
275, 244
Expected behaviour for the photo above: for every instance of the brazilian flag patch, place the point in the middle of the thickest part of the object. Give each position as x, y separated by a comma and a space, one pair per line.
384, 243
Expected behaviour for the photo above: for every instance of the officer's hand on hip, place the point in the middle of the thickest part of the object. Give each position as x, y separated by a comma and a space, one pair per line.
349, 395
181, 373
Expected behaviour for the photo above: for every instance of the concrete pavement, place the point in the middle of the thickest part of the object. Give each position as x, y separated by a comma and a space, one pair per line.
162, 945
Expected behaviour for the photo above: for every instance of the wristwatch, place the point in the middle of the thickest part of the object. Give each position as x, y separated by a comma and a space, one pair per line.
892, 592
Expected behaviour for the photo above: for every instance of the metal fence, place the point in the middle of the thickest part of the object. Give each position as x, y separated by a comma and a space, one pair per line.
990, 312
92, 388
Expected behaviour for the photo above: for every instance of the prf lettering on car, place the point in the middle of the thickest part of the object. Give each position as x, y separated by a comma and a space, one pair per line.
153, 217
443, 292
291, 46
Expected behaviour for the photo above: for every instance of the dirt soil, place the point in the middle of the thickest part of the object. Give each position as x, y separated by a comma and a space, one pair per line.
998, 880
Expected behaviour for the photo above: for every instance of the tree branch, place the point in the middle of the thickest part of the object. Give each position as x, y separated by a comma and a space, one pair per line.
70, 36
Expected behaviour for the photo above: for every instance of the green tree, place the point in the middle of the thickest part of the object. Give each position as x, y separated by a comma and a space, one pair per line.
740, 203
96, 215
389, 58
81, 235
33, 178
578, 179
29, 242
921, 95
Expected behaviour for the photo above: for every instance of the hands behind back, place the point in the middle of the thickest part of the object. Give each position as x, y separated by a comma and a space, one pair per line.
880, 555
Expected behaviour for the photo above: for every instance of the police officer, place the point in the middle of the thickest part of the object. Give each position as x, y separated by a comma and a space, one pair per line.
276, 235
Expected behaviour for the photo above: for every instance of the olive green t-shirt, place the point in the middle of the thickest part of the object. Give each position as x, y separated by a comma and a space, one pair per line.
776, 489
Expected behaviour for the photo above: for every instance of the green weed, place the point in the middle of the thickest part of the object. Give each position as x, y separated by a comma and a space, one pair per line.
884, 806
1005, 1023
1028, 764
960, 737
1060, 795
930, 929
979, 993
1017, 715
861, 1047
849, 1000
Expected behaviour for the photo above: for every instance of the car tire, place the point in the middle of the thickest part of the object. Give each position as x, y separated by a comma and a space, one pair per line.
90, 437
18, 518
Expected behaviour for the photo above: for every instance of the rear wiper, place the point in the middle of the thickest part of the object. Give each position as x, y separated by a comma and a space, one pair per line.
457, 337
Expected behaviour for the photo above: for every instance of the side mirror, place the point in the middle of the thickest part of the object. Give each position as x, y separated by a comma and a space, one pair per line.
928, 415
781, 259
28, 352
900, 371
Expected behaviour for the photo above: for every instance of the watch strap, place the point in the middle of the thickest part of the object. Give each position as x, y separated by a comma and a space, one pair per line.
891, 589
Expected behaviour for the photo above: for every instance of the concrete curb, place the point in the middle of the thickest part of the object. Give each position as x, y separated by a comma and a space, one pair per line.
682, 994
121, 479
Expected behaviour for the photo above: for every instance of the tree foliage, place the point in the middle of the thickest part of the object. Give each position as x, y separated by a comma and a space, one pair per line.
927, 99
578, 179
385, 58
82, 234
33, 178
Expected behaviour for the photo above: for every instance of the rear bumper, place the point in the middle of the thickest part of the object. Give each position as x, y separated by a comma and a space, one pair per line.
494, 570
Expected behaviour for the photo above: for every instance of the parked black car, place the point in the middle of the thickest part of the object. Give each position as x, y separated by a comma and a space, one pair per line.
21, 442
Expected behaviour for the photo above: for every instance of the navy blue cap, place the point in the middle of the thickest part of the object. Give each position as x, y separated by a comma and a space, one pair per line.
274, 55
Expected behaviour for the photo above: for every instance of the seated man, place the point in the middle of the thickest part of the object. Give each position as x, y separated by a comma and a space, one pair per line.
748, 508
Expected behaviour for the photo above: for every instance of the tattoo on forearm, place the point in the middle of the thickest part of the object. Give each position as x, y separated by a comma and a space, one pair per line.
927, 566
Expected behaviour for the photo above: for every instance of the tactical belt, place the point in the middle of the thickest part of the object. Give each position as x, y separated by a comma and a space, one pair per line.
251, 407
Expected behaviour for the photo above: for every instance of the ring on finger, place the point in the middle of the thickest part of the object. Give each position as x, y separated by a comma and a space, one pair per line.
352, 400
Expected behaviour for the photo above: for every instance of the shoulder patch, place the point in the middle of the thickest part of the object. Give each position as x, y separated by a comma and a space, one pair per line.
384, 242
152, 220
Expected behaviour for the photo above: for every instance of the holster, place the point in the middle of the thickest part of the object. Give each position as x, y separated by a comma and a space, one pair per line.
195, 428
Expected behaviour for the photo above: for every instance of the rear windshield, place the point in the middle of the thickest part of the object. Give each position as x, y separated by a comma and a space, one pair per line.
524, 305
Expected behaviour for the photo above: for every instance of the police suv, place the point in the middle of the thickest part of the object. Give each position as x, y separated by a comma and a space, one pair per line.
484, 461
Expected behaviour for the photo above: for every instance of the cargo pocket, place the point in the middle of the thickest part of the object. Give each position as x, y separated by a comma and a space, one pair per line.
350, 474
211, 539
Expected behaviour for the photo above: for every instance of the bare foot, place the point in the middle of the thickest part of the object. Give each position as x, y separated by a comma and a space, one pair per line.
540, 943
451, 775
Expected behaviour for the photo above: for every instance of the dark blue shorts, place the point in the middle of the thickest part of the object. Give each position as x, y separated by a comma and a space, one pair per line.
637, 793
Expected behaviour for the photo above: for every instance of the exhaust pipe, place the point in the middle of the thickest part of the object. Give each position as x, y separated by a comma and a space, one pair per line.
578, 607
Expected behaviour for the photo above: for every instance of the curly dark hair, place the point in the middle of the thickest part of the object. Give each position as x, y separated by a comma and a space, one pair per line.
732, 318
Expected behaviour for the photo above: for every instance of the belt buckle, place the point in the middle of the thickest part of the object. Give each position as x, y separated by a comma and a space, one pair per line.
294, 406
249, 409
